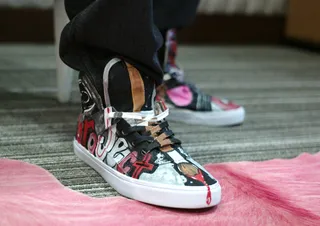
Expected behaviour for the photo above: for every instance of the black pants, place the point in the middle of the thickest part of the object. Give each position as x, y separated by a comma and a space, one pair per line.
102, 29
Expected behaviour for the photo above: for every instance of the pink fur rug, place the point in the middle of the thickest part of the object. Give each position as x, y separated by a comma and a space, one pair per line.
276, 192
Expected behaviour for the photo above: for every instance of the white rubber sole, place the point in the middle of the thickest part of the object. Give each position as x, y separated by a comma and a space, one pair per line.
152, 193
226, 118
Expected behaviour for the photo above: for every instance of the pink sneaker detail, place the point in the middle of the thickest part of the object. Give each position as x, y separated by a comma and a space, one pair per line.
181, 96
225, 104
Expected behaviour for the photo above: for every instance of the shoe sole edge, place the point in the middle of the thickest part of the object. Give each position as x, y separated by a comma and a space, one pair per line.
147, 192
226, 118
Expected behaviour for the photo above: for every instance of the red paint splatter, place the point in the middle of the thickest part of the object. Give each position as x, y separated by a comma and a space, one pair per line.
140, 165
132, 157
84, 130
209, 198
92, 142
79, 130
225, 105
200, 177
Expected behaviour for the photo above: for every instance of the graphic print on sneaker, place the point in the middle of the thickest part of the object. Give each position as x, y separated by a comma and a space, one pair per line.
171, 165
187, 103
167, 166
182, 95
139, 146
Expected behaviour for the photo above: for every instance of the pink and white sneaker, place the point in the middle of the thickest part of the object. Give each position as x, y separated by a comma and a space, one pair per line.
187, 103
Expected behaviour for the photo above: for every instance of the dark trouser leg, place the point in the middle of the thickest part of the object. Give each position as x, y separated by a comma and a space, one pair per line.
170, 14
174, 13
74, 7
109, 28
162, 52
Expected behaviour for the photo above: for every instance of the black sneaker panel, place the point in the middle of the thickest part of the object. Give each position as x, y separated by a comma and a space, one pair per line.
120, 89
200, 101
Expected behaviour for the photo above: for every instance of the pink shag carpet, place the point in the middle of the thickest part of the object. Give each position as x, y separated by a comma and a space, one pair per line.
276, 192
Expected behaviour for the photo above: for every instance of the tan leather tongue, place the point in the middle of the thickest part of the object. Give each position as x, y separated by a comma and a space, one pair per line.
137, 88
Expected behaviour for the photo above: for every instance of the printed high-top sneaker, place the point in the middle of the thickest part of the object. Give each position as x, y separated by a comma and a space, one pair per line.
187, 103
128, 142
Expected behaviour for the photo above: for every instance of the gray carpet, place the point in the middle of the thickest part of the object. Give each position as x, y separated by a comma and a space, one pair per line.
279, 87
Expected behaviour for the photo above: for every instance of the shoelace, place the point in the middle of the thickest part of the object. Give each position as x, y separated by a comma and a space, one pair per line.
151, 132
157, 134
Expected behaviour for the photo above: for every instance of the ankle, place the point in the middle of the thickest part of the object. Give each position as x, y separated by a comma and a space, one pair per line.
124, 88
127, 88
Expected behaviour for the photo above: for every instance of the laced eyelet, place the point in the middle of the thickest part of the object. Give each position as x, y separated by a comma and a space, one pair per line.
144, 152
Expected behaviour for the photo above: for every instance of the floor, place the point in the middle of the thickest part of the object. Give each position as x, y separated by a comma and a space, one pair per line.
279, 87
